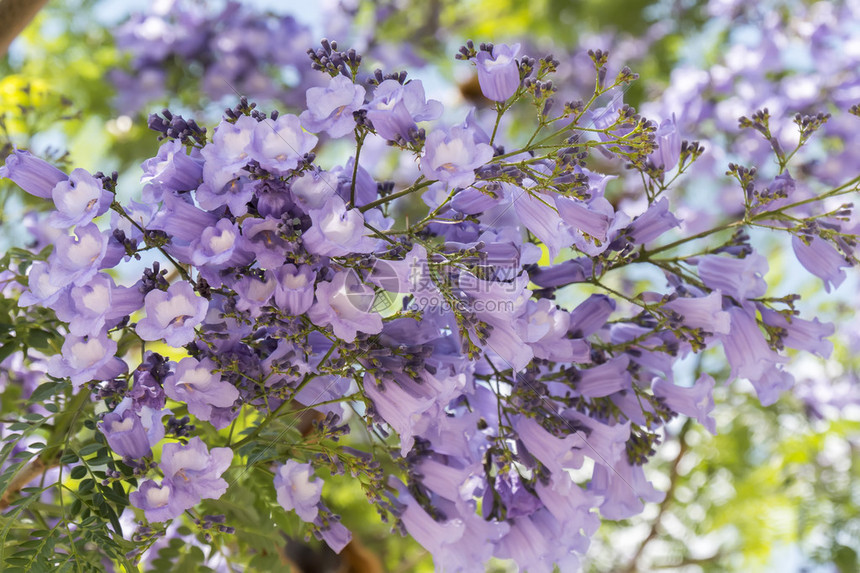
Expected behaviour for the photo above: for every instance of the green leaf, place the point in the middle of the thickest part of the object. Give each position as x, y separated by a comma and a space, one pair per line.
41, 340
86, 485
845, 558
46, 390
78, 472
89, 449
7, 349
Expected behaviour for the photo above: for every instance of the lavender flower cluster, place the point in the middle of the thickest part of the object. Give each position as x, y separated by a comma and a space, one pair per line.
515, 422
236, 50
796, 60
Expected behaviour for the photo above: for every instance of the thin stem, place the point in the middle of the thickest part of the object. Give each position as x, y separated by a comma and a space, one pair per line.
359, 143
179, 268
842, 189
419, 184
645, 255
500, 111
429, 218
274, 413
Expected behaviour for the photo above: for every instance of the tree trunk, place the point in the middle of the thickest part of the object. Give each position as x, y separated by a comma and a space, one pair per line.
14, 17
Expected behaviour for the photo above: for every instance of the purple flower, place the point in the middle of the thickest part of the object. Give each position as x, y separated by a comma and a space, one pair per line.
33, 175
216, 245
542, 543
604, 118
499, 304
568, 272
262, 237
312, 190
150, 418
705, 312
605, 379
603, 443
194, 470
330, 108
406, 412
452, 482
279, 145
195, 383
334, 533
569, 504
408, 276
557, 454
140, 213
498, 74
395, 108
86, 358
230, 142
696, 402
738, 278
337, 232
591, 315
668, 145
147, 388
136, 91
273, 197
296, 491
808, 335
180, 219
78, 200
474, 547
621, 486
76, 259
342, 304
88, 307
42, 235
538, 212
593, 217
655, 221
172, 315
453, 157
174, 169
254, 291
42, 290
544, 327
821, 259
518, 501
366, 189
294, 292
227, 154
770, 385
235, 192
125, 434
322, 389
435, 536
746, 348
161, 502
475, 200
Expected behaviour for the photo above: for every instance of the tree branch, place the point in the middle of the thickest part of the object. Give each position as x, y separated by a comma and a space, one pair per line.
33, 470
14, 17
673, 481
